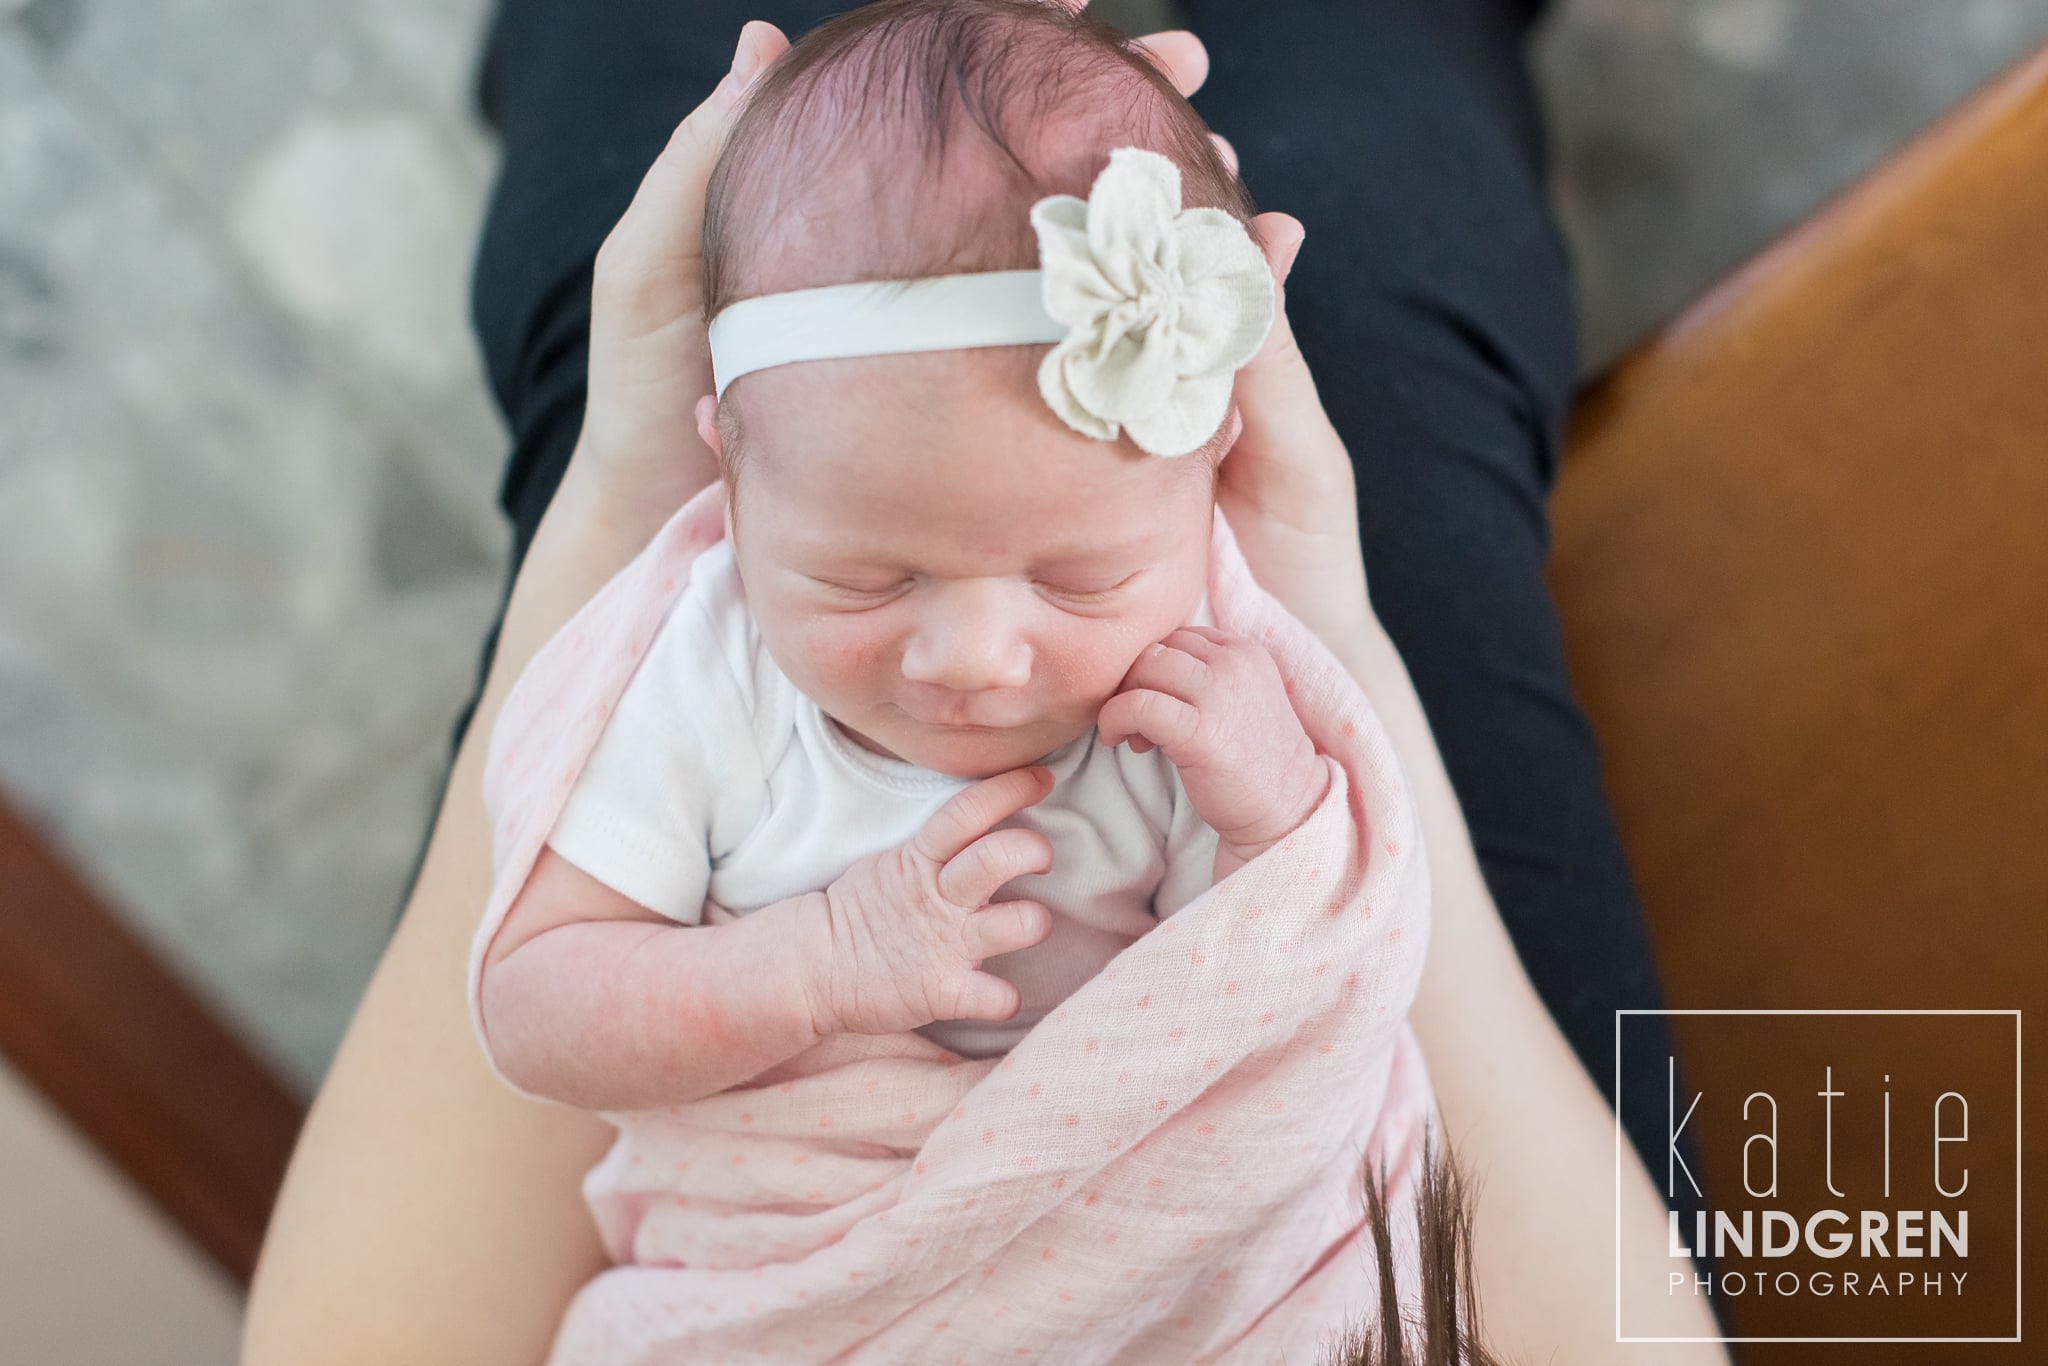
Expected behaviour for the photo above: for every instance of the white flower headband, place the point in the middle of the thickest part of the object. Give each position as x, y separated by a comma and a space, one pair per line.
1153, 307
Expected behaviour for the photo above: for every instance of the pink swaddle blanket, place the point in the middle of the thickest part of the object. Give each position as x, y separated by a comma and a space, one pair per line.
1169, 1168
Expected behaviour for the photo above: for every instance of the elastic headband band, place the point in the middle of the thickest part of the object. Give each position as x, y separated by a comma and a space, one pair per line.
883, 318
1152, 309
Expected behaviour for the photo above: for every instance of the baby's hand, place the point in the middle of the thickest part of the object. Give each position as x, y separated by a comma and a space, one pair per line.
897, 942
1215, 703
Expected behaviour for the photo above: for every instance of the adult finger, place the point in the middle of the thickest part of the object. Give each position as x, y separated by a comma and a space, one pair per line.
1175, 51
662, 228
1180, 55
974, 874
1288, 460
1273, 386
972, 811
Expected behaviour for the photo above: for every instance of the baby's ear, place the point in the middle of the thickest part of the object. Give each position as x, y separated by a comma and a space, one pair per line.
707, 427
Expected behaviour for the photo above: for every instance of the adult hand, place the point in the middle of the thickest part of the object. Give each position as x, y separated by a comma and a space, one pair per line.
650, 359
1286, 485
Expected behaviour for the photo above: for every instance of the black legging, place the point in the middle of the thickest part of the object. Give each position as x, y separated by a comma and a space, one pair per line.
1431, 298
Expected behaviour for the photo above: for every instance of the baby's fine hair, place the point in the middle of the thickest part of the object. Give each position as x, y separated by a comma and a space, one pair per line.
911, 137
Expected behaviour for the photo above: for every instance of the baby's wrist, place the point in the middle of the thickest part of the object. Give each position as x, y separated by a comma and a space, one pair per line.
808, 954
1243, 846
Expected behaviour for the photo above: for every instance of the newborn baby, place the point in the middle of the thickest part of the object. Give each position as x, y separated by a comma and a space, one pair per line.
942, 725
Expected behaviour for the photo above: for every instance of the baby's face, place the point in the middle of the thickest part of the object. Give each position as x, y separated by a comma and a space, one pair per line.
954, 575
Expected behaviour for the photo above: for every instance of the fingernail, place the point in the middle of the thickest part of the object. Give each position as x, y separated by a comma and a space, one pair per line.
744, 64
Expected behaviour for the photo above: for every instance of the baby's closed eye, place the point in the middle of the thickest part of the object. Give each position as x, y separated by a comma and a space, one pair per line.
1080, 591
1076, 590
860, 590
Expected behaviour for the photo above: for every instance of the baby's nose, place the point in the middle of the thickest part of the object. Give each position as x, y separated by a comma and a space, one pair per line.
968, 642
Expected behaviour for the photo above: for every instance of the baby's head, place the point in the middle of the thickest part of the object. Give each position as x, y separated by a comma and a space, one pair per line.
955, 574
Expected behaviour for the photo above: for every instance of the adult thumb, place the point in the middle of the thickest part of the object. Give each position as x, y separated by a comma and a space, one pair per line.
663, 225
1294, 451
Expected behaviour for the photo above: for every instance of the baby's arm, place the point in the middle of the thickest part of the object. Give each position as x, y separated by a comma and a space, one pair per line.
591, 999
600, 989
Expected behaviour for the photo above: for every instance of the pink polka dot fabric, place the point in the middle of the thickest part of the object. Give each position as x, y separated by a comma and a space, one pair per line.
1169, 1168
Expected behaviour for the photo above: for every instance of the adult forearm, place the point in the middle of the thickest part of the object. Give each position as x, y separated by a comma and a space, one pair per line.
632, 1016
1519, 1111
417, 1168
589, 534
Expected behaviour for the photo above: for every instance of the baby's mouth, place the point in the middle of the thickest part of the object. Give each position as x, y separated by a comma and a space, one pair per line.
961, 722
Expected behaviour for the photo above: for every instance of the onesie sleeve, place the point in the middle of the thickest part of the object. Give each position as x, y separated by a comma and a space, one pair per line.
664, 790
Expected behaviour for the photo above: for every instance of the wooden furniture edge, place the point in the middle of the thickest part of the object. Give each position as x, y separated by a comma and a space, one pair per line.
125, 1050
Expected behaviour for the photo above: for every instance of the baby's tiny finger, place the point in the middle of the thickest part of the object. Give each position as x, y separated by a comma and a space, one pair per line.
972, 876
985, 997
973, 810
1203, 642
1225, 150
1176, 672
1004, 928
1164, 720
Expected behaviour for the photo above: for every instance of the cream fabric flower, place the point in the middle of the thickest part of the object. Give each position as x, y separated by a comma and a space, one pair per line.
1163, 305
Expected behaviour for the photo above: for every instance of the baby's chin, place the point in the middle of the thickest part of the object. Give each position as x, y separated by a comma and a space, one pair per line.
967, 753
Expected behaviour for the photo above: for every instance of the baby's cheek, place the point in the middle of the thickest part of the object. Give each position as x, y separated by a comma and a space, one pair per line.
1090, 658
846, 653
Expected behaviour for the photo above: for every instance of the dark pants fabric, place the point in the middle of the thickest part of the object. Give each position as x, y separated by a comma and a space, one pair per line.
1431, 297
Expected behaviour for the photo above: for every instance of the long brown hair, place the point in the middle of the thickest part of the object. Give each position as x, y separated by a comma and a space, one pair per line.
1444, 1329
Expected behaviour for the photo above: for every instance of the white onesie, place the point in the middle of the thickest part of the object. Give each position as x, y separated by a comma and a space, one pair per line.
716, 780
